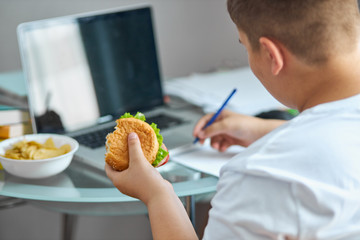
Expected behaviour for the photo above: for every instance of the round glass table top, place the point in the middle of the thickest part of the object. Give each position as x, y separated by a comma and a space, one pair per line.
81, 183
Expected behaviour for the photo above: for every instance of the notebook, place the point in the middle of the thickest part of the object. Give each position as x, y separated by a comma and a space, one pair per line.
84, 71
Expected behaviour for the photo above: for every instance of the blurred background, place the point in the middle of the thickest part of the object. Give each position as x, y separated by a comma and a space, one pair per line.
192, 35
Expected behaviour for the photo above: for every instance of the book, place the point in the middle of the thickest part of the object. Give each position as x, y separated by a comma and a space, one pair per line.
15, 130
11, 115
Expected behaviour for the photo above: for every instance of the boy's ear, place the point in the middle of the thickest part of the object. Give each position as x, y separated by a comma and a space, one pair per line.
273, 52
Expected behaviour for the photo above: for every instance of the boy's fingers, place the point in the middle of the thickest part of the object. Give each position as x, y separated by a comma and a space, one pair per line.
135, 151
214, 129
200, 124
110, 172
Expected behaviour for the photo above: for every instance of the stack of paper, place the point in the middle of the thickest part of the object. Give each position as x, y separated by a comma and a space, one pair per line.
210, 90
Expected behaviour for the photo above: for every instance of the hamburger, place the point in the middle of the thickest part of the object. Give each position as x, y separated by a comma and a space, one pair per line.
117, 154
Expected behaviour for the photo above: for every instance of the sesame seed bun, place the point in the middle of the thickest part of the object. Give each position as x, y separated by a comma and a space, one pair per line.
117, 154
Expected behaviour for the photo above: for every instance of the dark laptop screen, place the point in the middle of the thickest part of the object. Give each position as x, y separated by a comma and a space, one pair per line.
83, 70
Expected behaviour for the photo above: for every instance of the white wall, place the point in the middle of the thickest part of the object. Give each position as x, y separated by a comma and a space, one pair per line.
193, 35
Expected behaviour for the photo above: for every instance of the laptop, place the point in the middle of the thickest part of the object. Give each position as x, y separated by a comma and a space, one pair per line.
84, 71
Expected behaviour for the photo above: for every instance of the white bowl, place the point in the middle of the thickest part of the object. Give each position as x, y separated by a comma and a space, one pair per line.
38, 168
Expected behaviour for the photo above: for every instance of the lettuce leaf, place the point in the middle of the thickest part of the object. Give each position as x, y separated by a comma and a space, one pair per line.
162, 153
138, 115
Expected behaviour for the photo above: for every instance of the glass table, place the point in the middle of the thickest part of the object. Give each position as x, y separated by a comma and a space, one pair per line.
83, 190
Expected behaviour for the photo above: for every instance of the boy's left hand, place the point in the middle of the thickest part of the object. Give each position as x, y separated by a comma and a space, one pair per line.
141, 180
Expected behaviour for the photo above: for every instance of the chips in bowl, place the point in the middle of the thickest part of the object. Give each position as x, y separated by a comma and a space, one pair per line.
37, 155
32, 150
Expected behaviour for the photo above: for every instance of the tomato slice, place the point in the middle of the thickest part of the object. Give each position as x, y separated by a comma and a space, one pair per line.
164, 161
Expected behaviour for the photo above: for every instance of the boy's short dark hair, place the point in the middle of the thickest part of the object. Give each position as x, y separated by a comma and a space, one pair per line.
313, 30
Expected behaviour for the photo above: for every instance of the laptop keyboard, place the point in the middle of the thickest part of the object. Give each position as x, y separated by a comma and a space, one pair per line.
164, 121
94, 139
97, 139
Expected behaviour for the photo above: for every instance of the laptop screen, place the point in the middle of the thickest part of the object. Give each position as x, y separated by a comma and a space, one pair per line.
86, 69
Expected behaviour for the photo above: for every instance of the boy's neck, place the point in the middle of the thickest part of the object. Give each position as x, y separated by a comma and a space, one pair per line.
339, 78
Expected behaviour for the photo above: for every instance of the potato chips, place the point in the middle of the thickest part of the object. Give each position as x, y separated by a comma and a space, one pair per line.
32, 150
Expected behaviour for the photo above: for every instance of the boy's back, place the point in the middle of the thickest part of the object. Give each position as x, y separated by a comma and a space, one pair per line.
301, 181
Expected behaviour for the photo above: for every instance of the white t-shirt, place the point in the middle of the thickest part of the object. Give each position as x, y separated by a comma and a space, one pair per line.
301, 181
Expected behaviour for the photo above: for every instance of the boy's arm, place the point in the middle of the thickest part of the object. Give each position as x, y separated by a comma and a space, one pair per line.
167, 214
169, 219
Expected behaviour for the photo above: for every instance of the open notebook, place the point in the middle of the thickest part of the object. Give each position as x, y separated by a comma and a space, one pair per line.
203, 157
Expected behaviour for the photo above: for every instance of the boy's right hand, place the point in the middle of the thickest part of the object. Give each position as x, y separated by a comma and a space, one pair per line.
233, 129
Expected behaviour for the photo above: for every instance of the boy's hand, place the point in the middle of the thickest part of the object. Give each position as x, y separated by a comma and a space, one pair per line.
141, 180
233, 129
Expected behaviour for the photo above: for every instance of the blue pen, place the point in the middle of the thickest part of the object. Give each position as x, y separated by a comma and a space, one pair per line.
217, 113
